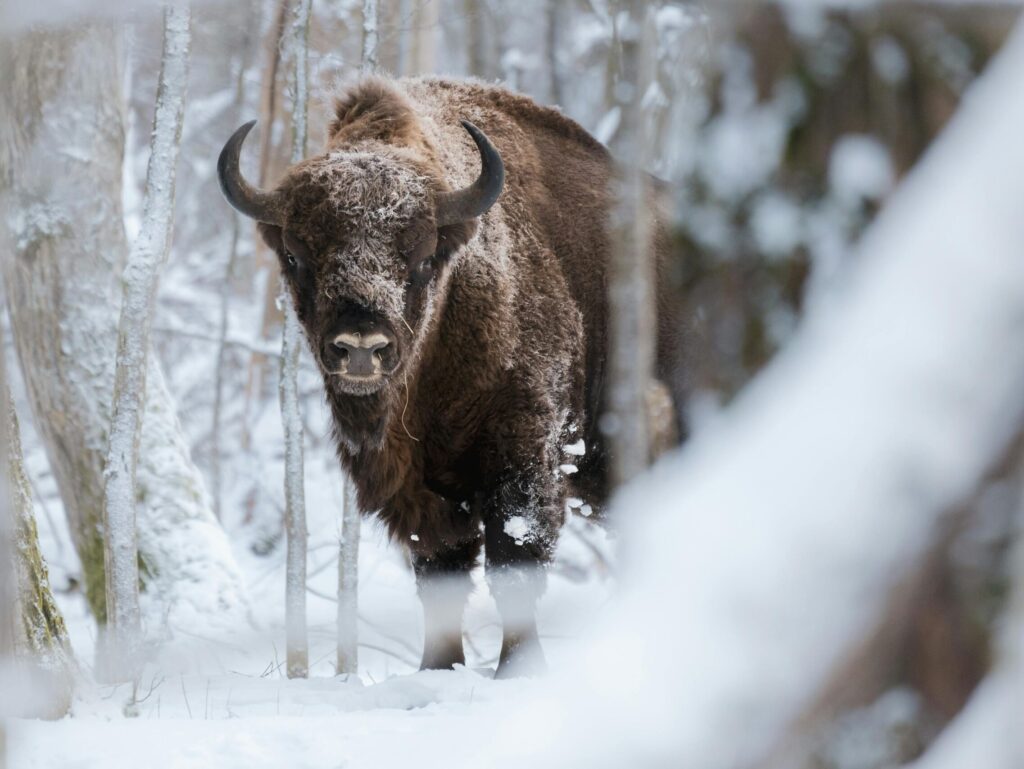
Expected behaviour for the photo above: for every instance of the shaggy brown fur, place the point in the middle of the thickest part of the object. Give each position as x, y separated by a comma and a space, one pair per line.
500, 326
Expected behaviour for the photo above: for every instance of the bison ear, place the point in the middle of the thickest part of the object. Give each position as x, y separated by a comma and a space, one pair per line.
272, 236
452, 237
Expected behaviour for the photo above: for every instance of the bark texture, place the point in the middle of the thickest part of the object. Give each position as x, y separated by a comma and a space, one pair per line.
33, 635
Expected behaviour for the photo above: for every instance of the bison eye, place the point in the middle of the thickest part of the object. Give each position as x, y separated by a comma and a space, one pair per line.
290, 258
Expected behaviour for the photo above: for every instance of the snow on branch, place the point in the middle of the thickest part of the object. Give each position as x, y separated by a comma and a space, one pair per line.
761, 554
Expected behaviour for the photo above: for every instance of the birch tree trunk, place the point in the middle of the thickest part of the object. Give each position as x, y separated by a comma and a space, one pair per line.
266, 263
348, 552
424, 41
348, 584
370, 36
630, 274
553, 21
475, 59
142, 274
296, 640
61, 151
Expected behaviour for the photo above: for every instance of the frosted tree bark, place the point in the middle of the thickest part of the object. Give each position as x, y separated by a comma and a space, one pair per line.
348, 584
141, 277
33, 635
297, 643
370, 36
63, 245
630, 275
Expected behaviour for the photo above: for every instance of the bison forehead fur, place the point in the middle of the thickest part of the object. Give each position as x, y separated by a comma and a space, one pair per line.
351, 210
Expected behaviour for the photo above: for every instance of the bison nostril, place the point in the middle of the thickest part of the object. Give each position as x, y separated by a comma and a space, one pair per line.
360, 354
340, 349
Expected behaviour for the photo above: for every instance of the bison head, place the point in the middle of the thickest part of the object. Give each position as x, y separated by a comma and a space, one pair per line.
364, 239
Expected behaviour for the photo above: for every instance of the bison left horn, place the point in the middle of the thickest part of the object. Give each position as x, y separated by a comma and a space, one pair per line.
243, 197
473, 201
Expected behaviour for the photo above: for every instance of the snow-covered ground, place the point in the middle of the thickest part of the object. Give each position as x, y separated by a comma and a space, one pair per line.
230, 720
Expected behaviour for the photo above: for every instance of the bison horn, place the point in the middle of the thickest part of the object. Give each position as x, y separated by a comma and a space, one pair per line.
243, 197
473, 201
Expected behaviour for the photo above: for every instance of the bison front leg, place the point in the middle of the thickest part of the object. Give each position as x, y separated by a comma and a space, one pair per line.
520, 531
443, 582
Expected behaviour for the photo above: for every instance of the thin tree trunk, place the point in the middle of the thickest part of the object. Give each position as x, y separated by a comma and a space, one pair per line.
265, 263
370, 37
216, 469
60, 177
630, 274
476, 62
141, 277
553, 21
348, 552
403, 44
297, 644
348, 584
424, 43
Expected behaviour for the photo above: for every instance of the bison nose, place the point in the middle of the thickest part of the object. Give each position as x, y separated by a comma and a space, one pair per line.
359, 354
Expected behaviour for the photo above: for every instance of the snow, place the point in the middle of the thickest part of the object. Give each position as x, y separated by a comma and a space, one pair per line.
889, 60
776, 222
577, 449
860, 167
518, 528
232, 721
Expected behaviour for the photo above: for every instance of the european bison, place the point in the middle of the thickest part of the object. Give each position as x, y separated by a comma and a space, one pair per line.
458, 316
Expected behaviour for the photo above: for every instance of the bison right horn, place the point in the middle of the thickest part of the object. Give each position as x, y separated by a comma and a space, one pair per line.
243, 197
474, 200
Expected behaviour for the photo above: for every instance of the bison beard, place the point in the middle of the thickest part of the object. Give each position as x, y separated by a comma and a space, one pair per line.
461, 335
